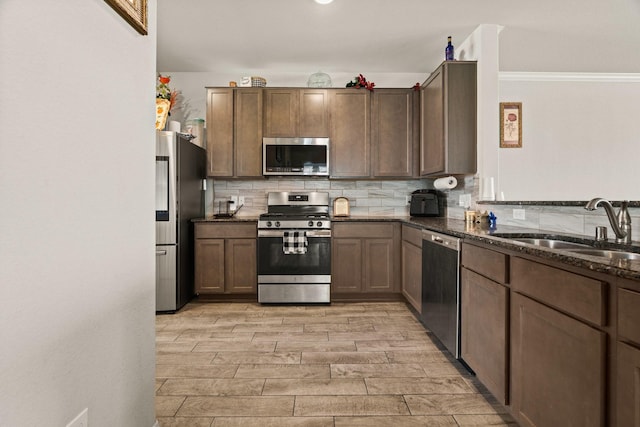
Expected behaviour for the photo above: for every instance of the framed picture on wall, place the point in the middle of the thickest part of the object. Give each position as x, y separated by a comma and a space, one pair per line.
511, 124
133, 11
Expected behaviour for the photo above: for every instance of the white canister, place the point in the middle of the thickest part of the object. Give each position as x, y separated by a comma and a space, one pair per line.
174, 126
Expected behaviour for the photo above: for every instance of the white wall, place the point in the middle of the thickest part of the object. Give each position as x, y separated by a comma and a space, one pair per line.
76, 225
581, 137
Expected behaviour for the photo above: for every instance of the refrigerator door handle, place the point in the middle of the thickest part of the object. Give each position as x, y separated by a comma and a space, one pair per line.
161, 252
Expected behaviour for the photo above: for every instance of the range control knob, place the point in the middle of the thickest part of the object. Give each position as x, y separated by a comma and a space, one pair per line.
310, 224
268, 223
277, 223
319, 224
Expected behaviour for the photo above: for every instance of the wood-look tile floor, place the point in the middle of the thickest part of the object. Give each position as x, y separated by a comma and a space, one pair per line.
338, 365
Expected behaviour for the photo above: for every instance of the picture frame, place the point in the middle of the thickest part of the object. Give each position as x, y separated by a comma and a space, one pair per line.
511, 125
133, 11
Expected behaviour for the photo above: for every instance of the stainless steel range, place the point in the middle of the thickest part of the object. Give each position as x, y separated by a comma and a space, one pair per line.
294, 249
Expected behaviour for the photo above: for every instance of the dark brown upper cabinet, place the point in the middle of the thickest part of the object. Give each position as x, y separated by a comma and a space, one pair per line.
448, 120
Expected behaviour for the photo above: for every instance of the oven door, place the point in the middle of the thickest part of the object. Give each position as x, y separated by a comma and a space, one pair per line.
274, 266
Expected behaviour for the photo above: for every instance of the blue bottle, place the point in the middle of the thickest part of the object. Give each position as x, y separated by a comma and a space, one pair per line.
448, 51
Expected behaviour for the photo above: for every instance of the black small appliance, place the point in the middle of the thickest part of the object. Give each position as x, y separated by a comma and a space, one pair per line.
427, 203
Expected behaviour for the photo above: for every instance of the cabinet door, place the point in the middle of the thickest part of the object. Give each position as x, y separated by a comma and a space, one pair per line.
557, 367
432, 136
209, 266
412, 274
219, 132
484, 316
392, 139
379, 266
349, 132
346, 265
248, 133
313, 118
628, 386
240, 266
460, 92
281, 112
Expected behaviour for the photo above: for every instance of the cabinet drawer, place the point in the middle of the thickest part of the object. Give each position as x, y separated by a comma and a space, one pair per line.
376, 230
490, 264
577, 295
628, 315
227, 230
412, 235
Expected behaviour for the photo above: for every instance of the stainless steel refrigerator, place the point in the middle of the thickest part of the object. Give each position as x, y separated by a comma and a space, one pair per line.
180, 185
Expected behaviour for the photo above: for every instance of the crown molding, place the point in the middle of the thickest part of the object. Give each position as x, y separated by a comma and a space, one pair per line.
516, 76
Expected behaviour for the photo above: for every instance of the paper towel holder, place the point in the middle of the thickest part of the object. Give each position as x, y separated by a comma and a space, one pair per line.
445, 183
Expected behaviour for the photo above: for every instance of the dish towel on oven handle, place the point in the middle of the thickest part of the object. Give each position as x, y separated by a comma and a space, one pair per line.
294, 242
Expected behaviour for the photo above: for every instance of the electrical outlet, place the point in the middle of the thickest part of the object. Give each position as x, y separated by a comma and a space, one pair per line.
240, 200
518, 214
464, 200
82, 420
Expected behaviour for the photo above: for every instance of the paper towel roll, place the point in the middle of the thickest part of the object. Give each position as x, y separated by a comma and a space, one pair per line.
446, 183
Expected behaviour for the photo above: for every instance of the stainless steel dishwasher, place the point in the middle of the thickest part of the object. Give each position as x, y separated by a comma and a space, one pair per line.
440, 288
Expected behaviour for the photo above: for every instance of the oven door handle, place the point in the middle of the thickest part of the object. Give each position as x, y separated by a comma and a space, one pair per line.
309, 233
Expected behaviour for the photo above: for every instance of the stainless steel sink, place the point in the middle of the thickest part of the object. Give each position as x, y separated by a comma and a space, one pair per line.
610, 254
552, 243
556, 242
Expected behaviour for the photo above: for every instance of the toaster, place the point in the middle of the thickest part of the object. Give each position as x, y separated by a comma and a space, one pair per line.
427, 203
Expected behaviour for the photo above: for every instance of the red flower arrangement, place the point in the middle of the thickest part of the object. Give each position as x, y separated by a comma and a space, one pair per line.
360, 81
164, 92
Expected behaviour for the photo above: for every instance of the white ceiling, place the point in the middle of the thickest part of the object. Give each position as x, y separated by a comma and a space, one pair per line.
393, 36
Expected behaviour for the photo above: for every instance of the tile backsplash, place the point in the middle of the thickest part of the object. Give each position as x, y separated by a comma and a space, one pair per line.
374, 198
389, 198
566, 219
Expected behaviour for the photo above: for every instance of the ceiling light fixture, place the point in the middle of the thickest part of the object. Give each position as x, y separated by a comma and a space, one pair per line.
323, 1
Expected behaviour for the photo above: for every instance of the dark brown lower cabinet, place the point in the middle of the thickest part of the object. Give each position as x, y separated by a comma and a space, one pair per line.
381, 265
365, 258
209, 266
628, 385
628, 357
484, 333
240, 266
225, 258
346, 262
557, 367
412, 266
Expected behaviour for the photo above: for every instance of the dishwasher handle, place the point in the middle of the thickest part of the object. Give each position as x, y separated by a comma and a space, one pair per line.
441, 239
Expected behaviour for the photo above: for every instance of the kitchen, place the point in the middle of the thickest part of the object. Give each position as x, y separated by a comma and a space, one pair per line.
109, 287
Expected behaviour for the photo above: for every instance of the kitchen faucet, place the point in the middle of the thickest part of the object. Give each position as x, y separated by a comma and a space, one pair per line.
621, 223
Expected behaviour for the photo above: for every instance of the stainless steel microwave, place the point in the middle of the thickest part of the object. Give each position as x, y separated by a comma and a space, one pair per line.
295, 156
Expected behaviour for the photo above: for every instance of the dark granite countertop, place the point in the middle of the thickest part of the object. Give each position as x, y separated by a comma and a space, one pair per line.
628, 269
615, 203
232, 219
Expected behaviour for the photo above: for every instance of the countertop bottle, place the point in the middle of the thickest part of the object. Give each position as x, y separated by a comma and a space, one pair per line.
448, 51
